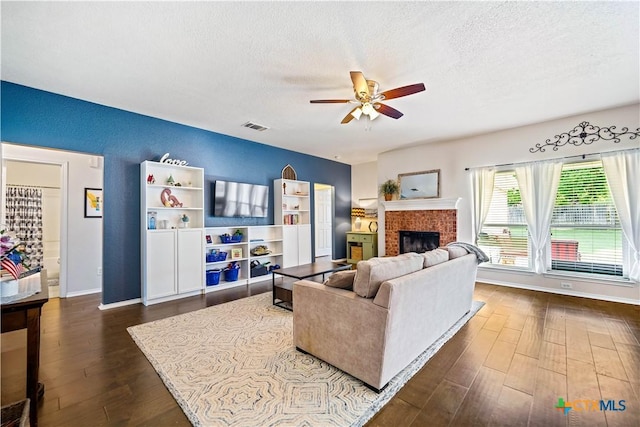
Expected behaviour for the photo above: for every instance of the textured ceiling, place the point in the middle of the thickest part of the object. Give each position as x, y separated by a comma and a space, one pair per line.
215, 65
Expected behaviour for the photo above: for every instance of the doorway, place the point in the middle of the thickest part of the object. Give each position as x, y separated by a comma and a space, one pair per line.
42, 182
80, 247
323, 218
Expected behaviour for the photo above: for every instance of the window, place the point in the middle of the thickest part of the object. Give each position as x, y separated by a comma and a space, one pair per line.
504, 235
586, 236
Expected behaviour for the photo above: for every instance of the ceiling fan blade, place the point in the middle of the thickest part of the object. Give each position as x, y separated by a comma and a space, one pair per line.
330, 101
387, 111
403, 91
348, 117
360, 84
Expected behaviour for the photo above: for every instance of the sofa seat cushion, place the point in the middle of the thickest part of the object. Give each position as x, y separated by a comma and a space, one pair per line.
434, 257
372, 272
341, 279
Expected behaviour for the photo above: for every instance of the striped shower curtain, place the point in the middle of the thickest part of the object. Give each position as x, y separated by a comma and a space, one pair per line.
24, 220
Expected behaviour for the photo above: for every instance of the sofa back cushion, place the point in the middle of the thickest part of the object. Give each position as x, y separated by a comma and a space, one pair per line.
434, 257
372, 272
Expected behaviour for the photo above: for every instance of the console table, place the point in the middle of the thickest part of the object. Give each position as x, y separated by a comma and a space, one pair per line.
25, 313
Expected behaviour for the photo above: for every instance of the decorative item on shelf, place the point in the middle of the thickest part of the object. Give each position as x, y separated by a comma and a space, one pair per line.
284, 188
236, 253
389, 188
184, 221
208, 237
177, 184
288, 172
170, 180
373, 226
151, 179
165, 159
357, 213
151, 220
260, 250
169, 200
163, 224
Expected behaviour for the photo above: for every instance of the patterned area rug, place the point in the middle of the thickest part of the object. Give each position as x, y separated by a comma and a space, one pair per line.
235, 365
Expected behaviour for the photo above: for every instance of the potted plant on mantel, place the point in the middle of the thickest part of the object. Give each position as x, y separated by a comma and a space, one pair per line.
389, 188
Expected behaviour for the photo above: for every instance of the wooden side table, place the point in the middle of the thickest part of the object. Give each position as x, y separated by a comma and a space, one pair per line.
25, 313
361, 246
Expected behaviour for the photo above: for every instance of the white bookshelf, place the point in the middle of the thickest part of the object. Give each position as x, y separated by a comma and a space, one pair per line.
171, 249
252, 236
292, 210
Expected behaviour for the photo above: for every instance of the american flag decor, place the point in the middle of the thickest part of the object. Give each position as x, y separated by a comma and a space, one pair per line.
14, 269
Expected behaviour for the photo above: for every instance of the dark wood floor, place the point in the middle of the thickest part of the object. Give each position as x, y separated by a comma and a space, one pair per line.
507, 366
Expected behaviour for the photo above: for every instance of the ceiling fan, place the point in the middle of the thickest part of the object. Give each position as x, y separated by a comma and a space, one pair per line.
369, 98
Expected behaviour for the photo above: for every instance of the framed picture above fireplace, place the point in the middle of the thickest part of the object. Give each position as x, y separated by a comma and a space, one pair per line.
420, 185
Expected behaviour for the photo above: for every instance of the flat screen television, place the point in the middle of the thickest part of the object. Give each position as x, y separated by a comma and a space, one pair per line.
238, 199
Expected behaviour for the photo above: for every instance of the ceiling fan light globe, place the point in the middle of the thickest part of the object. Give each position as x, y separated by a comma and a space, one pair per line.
373, 114
367, 108
356, 113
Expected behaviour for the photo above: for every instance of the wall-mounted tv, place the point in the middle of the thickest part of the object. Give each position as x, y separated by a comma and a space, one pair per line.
238, 199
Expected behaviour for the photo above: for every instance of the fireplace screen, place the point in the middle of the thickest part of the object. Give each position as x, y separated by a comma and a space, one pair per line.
418, 241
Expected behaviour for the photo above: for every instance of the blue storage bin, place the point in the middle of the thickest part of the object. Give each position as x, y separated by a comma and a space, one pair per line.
231, 274
213, 277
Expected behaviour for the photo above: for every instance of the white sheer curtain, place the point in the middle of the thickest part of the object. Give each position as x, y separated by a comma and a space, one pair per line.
482, 184
538, 183
622, 169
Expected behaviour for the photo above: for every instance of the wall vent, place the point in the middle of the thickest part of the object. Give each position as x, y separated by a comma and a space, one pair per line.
255, 126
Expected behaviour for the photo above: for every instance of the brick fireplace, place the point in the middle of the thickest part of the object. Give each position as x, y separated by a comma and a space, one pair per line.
419, 215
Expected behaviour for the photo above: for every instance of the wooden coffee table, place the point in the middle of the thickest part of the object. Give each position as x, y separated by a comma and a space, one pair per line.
283, 292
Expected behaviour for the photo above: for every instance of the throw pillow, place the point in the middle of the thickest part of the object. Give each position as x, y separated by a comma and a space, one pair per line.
341, 279
436, 256
374, 271
456, 252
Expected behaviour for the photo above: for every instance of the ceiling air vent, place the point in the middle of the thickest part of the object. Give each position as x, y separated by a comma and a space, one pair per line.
255, 126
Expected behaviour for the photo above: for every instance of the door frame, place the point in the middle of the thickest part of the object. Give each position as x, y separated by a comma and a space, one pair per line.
318, 188
64, 173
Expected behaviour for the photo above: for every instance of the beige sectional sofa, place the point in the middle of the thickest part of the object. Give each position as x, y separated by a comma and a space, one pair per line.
374, 324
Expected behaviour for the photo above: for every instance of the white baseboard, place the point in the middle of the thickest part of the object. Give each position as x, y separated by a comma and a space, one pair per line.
561, 292
120, 304
85, 292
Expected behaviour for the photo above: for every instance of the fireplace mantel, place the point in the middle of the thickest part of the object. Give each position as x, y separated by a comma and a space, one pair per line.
422, 204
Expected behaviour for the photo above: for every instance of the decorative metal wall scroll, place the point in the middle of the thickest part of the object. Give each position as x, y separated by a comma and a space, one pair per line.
585, 133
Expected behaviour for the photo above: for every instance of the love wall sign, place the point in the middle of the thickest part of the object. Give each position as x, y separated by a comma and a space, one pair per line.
166, 159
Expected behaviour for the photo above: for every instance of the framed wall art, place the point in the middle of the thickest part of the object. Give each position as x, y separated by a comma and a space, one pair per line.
420, 185
93, 203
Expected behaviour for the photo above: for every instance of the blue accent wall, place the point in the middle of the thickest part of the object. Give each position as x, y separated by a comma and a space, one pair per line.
38, 118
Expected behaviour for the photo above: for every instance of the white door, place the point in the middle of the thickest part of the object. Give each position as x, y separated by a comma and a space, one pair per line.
323, 219
190, 260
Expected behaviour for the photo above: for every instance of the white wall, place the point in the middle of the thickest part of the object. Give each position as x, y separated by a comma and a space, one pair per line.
512, 146
83, 257
364, 189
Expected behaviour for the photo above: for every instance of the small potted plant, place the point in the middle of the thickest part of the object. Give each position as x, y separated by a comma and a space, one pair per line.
389, 188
